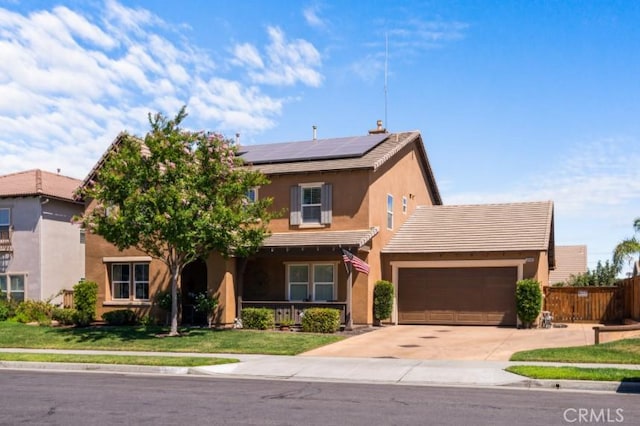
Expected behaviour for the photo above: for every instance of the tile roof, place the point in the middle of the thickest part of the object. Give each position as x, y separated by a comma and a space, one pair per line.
38, 182
475, 228
355, 238
570, 260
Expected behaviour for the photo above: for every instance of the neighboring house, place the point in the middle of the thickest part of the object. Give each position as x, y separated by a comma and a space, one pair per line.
41, 250
351, 194
570, 260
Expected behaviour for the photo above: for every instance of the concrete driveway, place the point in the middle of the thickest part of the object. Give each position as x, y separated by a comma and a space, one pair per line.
441, 342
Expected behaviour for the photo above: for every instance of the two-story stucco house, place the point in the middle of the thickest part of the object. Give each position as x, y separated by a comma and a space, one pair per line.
41, 250
373, 197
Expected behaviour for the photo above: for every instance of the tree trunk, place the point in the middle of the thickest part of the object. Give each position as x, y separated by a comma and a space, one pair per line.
175, 275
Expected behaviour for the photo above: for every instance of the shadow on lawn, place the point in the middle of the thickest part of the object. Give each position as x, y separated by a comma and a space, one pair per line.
99, 333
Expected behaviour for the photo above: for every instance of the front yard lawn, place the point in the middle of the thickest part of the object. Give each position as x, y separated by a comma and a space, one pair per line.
576, 373
156, 361
16, 335
625, 351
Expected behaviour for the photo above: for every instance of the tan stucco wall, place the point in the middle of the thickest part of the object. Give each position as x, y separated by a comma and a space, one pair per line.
350, 191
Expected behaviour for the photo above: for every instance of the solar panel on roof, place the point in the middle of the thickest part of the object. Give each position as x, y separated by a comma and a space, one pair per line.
318, 149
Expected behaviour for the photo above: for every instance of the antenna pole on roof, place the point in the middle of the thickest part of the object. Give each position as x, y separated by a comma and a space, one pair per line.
386, 69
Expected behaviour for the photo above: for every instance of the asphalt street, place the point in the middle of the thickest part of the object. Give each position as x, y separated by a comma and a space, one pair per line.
71, 398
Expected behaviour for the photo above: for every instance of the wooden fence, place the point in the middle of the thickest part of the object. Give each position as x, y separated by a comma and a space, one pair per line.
595, 304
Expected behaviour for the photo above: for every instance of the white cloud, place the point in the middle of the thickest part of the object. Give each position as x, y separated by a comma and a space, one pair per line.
287, 62
311, 17
71, 80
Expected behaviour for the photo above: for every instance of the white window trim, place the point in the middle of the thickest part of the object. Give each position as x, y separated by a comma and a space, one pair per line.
255, 194
404, 204
389, 211
304, 186
311, 284
138, 260
333, 283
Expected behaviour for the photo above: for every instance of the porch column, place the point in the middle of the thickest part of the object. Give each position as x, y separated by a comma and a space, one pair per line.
348, 317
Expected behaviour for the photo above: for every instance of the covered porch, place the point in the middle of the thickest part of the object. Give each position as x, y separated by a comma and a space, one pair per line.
294, 271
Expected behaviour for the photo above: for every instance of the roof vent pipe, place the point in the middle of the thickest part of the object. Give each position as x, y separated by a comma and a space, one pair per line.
315, 132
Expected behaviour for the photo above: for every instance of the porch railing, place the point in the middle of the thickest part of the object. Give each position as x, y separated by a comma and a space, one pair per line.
292, 310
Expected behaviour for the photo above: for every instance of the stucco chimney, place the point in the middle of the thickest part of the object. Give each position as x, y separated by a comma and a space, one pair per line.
238, 139
315, 132
378, 129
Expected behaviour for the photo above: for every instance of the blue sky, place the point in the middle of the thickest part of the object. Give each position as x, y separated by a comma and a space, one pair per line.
516, 100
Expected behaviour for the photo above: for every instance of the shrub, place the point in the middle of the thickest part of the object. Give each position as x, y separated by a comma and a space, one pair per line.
382, 300
528, 301
321, 320
7, 308
63, 315
85, 298
258, 318
120, 317
34, 311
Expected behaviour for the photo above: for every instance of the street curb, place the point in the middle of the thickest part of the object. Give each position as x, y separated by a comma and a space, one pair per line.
588, 385
112, 368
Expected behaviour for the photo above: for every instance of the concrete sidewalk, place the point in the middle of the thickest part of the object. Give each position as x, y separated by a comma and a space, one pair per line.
342, 369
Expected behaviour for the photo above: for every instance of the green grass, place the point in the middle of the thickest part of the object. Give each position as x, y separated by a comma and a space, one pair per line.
576, 373
157, 361
625, 351
16, 335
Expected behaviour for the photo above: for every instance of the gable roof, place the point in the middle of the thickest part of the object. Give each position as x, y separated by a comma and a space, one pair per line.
570, 260
476, 228
38, 183
375, 157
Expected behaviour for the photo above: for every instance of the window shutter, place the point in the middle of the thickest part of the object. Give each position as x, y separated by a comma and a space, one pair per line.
294, 210
326, 195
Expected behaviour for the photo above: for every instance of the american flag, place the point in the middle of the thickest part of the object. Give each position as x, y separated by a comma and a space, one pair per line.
357, 263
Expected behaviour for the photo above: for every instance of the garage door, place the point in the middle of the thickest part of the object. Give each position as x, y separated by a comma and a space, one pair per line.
471, 296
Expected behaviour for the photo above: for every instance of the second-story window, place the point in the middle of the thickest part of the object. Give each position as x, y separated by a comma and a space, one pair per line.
311, 204
5, 223
389, 211
252, 195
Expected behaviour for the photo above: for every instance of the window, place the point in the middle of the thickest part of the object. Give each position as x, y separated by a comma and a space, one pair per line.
252, 195
311, 204
5, 223
389, 211
298, 282
124, 286
13, 287
322, 281
404, 205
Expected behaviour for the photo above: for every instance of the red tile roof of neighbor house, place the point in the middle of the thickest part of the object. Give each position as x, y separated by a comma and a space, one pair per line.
38, 183
570, 260
476, 228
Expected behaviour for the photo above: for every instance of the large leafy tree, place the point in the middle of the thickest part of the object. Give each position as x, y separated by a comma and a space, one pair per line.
626, 249
177, 195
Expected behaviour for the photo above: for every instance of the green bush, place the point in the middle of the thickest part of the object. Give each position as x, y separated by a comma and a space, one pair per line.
603, 275
528, 301
382, 300
34, 311
321, 320
63, 315
85, 299
120, 317
7, 308
258, 318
